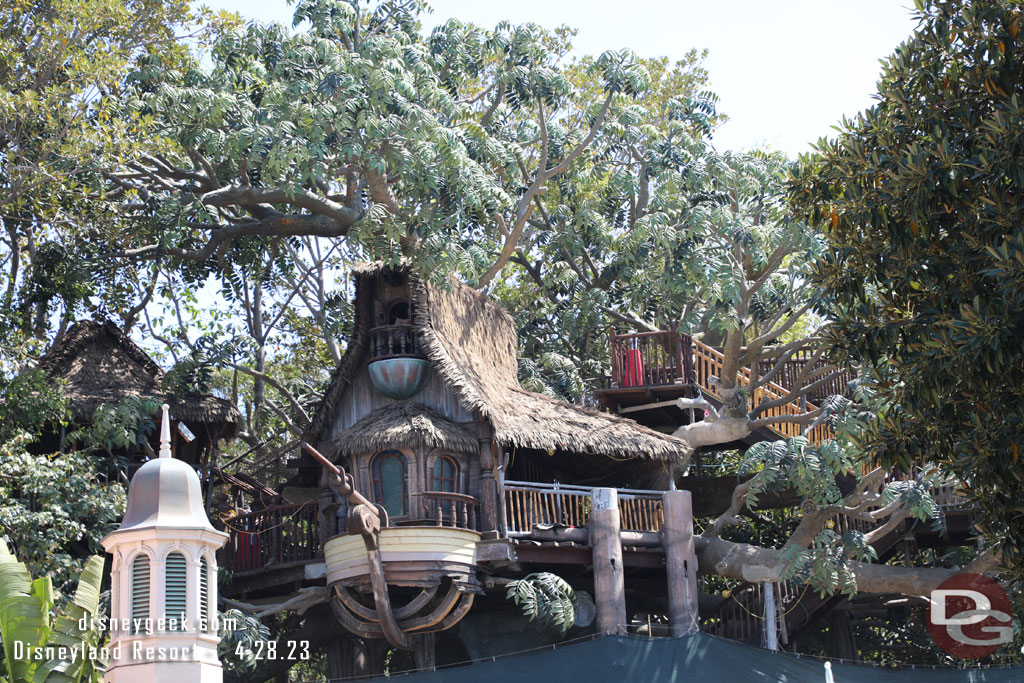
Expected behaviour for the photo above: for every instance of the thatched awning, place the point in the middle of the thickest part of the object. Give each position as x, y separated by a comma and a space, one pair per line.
99, 364
471, 343
403, 425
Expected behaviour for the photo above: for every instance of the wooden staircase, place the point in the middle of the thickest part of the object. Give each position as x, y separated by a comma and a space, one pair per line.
651, 370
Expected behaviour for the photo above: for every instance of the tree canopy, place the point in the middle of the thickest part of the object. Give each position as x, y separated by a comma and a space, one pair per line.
920, 200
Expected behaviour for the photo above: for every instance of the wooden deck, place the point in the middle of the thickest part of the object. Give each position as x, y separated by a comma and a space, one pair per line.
651, 370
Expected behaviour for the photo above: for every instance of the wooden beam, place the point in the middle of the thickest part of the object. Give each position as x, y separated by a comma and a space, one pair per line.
647, 406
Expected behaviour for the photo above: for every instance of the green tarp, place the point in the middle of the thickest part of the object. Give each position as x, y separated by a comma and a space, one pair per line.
627, 659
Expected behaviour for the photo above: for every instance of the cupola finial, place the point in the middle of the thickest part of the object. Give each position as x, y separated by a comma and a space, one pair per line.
165, 433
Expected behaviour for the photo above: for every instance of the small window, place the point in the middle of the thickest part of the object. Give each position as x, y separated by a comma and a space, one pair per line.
140, 594
175, 592
445, 474
391, 482
399, 313
205, 620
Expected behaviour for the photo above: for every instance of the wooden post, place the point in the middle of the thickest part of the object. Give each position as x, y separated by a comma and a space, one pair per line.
609, 581
771, 635
423, 651
328, 521
680, 562
489, 504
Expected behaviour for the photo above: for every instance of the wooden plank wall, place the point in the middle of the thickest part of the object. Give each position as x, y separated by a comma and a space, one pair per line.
360, 398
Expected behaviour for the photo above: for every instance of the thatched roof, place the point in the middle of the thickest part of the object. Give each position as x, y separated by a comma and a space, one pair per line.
403, 424
99, 364
471, 343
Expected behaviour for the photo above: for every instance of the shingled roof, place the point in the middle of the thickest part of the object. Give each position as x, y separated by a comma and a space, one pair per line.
471, 343
100, 364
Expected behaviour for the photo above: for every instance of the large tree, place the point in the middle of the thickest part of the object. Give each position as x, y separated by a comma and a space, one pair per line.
921, 200
63, 65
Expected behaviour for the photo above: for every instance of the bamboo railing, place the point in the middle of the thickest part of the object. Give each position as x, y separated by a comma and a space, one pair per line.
279, 534
528, 504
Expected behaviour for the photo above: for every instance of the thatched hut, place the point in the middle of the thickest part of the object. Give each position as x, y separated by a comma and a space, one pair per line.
99, 364
428, 391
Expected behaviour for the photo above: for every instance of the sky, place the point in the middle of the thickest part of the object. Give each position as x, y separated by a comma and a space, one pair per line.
785, 71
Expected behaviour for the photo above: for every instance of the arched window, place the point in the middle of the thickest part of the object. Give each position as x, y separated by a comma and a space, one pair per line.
444, 474
391, 482
175, 592
140, 593
205, 619
399, 313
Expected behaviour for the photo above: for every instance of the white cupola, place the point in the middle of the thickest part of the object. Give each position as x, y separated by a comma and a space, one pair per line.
163, 602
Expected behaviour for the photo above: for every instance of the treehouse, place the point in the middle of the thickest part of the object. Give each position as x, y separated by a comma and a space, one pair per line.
438, 480
99, 365
426, 416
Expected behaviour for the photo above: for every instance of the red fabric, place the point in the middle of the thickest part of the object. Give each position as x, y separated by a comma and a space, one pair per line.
633, 370
247, 553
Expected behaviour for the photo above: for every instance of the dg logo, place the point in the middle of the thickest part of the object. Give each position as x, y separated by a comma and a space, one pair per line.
970, 615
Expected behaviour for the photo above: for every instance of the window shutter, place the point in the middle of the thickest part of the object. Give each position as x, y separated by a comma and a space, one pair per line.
204, 595
175, 600
140, 593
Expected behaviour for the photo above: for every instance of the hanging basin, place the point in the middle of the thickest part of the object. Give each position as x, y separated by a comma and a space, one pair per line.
399, 378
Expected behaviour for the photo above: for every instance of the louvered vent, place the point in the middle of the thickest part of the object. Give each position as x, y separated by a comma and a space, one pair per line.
204, 595
140, 593
175, 600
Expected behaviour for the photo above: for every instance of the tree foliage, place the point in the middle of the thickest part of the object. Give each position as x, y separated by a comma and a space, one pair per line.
545, 599
62, 73
920, 198
54, 508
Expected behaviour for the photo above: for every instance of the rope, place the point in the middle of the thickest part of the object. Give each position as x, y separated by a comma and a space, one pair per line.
226, 517
785, 614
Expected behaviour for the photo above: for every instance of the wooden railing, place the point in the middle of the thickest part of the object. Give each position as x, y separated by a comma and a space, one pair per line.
276, 535
393, 341
452, 509
662, 358
651, 358
741, 615
789, 375
708, 362
529, 503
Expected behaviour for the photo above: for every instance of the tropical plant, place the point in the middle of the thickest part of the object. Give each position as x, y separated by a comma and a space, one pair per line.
546, 599
239, 633
27, 624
